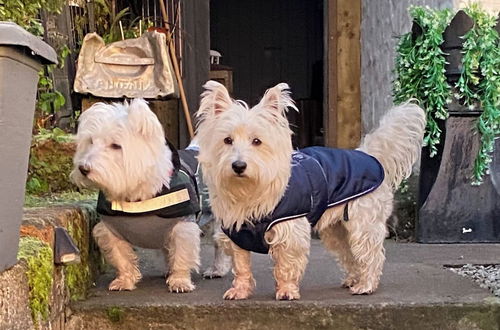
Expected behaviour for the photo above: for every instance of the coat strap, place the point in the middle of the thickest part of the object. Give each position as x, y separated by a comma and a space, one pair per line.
346, 212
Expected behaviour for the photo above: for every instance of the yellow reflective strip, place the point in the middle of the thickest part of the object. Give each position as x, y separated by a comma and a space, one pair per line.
152, 204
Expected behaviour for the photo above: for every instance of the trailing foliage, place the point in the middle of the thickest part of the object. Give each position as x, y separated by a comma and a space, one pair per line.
479, 84
420, 70
420, 74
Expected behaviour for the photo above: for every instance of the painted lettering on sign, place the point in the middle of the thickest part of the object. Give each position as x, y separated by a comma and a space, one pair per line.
118, 84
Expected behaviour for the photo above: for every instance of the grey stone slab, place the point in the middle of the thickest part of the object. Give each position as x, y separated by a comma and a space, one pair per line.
413, 275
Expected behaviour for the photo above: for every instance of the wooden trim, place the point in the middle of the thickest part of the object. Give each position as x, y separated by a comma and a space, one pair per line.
195, 30
342, 115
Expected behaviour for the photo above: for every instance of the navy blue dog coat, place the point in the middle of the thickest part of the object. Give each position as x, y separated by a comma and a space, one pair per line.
321, 178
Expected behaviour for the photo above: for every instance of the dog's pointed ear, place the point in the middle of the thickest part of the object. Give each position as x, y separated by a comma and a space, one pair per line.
214, 100
143, 120
277, 100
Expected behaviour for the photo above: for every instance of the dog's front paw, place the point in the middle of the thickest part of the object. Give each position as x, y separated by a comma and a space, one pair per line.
122, 284
362, 288
349, 282
289, 292
237, 294
180, 285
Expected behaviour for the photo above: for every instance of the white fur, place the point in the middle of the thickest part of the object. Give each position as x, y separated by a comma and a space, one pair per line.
123, 149
266, 183
358, 243
222, 259
135, 172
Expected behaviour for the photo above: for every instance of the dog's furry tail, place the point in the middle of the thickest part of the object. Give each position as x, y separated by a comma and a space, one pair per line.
397, 142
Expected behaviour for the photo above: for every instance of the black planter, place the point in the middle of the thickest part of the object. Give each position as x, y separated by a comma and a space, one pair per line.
451, 209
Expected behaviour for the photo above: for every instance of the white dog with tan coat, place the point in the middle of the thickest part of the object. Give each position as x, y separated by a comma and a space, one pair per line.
147, 198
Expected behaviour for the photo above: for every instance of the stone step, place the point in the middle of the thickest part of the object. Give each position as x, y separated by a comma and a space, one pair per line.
416, 292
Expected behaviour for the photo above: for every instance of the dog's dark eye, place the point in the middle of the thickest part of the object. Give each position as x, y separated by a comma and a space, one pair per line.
256, 142
115, 146
90, 141
228, 140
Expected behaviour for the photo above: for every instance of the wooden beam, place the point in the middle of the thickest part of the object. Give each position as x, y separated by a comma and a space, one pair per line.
195, 30
342, 115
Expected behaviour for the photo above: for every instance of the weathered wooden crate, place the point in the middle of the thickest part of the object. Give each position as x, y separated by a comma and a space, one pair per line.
167, 112
451, 210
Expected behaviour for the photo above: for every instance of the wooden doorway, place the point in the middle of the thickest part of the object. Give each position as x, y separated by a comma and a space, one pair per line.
313, 45
342, 115
268, 42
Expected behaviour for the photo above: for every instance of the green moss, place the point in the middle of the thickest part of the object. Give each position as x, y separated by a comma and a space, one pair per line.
78, 277
115, 314
60, 198
481, 319
39, 259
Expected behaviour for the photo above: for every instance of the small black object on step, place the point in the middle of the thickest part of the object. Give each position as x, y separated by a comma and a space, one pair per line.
65, 250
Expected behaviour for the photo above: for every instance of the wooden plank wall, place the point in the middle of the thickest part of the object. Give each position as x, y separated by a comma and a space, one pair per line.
342, 115
268, 42
196, 55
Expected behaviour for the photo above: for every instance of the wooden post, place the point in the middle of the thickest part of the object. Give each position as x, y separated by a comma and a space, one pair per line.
175, 63
342, 111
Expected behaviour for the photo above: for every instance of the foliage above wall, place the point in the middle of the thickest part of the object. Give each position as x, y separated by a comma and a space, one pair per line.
50, 163
420, 74
27, 15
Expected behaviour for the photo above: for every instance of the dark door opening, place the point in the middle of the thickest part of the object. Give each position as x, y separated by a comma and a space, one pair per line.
266, 42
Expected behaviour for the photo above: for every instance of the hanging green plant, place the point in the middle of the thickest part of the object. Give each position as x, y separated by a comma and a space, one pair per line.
479, 83
420, 70
420, 74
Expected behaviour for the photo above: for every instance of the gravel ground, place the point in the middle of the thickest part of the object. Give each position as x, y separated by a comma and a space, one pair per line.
485, 276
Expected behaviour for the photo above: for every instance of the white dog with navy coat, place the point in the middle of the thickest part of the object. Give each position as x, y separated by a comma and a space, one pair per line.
249, 166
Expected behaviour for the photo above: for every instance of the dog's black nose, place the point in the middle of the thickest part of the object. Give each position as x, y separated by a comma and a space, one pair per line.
84, 170
239, 166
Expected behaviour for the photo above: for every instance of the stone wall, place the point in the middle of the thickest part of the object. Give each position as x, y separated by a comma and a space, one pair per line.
26, 300
382, 21
14, 294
